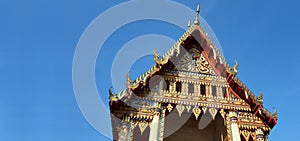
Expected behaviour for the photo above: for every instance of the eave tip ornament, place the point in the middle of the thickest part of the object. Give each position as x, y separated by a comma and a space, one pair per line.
112, 96
275, 113
158, 61
233, 70
196, 22
260, 98
130, 84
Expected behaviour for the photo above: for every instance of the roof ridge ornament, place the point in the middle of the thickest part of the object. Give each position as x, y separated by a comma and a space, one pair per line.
233, 70
196, 22
260, 98
112, 96
130, 84
189, 23
160, 61
275, 113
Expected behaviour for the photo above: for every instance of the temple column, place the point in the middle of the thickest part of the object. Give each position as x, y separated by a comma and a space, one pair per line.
234, 129
217, 91
220, 92
172, 86
184, 88
125, 130
162, 125
154, 126
197, 90
161, 86
227, 92
259, 135
208, 90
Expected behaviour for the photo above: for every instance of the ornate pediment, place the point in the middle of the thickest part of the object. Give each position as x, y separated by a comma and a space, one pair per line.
193, 61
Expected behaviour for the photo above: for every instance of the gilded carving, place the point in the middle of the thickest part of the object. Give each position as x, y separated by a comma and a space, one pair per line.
169, 107
233, 70
246, 134
197, 112
194, 61
213, 112
130, 84
180, 109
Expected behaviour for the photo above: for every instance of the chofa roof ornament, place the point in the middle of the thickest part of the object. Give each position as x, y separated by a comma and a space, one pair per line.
130, 84
112, 96
158, 61
260, 98
233, 70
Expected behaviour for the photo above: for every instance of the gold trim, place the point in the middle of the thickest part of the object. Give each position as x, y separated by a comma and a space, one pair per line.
197, 112
233, 70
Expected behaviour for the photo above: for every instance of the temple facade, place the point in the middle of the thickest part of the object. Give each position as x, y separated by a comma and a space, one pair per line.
190, 93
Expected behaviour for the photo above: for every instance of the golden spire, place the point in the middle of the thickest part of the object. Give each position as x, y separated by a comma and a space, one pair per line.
189, 23
196, 22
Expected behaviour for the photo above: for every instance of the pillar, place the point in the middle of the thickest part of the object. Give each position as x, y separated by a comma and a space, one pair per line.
124, 131
184, 88
172, 86
162, 125
220, 92
161, 86
208, 90
197, 90
154, 126
234, 128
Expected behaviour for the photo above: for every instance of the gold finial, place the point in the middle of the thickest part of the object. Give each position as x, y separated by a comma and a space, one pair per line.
235, 67
112, 96
260, 98
128, 78
110, 91
275, 113
189, 23
196, 22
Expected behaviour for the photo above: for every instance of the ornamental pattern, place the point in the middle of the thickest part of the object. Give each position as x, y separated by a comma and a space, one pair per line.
193, 61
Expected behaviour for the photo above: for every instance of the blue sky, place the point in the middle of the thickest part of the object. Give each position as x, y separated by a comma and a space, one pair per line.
39, 38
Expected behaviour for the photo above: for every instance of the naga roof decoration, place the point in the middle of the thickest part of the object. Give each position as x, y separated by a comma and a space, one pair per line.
217, 66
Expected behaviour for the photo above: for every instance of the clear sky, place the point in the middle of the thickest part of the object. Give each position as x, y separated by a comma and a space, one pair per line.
39, 38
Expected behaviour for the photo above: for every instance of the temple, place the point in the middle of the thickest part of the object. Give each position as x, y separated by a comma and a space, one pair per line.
190, 93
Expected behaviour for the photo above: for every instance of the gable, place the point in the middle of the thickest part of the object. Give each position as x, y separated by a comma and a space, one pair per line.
195, 53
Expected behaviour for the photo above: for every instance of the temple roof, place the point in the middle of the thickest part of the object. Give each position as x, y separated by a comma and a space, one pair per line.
195, 34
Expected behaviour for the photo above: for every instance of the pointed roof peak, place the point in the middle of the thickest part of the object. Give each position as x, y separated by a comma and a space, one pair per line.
196, 22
